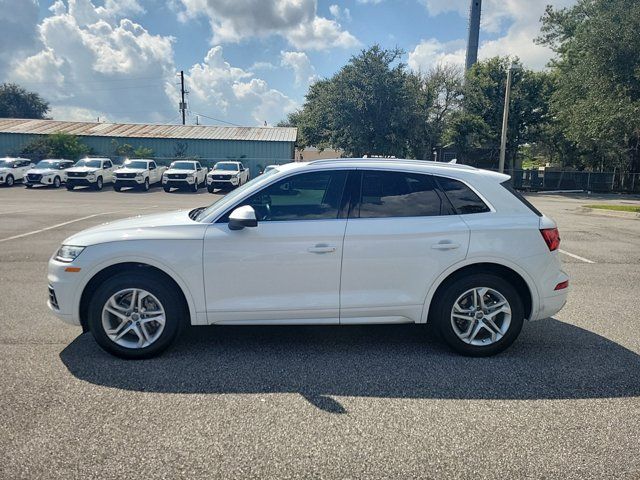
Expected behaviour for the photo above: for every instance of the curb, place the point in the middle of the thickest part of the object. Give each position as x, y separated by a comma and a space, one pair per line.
609, 213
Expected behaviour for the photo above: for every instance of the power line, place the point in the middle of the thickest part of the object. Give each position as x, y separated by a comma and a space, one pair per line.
217, 119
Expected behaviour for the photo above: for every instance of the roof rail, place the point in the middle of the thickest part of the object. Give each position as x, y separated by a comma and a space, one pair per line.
391, 160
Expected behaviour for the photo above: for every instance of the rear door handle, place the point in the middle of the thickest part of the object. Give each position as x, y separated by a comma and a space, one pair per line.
445, 245
322, 248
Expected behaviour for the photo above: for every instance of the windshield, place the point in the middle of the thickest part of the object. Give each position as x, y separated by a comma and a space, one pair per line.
6, 163
135, 164
88, 163
183, 166
231, 197
233, 167
48, 164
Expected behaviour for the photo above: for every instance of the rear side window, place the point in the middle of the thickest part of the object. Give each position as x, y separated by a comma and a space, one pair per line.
520, 197
398, 194
463, 199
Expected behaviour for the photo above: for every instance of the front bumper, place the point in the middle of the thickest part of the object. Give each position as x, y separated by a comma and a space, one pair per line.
178, 182
81, 182
42, 181
128, 182
62, 289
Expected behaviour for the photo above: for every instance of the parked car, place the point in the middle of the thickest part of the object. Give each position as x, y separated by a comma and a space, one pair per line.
227, 175
13, 169
184, 174
51, 172
90, 172
326, 242
139, 173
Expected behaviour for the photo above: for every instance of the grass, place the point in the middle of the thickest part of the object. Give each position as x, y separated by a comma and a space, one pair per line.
618, 208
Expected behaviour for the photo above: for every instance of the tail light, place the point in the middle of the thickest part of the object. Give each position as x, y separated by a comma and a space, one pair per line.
551, 237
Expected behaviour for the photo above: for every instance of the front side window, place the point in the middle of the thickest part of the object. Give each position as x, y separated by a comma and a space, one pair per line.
387, 194
307, 196
463, 199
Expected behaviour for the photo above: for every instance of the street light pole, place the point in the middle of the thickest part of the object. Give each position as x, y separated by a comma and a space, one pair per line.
505, 120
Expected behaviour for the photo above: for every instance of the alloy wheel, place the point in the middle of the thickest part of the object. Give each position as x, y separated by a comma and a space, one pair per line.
481, 316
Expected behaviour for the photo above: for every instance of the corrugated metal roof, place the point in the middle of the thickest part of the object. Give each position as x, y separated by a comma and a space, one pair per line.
140, 130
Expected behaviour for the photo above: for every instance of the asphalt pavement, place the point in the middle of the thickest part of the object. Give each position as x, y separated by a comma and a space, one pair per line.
319, 402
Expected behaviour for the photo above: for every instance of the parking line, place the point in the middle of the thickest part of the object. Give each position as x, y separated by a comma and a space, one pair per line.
54, 226
577, 257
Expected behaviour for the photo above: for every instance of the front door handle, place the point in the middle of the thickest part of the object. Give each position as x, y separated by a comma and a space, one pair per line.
445, 245
322, 248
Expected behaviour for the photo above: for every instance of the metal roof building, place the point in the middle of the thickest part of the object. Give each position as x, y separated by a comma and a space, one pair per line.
275, 144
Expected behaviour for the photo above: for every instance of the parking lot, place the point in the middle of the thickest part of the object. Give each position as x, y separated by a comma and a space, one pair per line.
319, 402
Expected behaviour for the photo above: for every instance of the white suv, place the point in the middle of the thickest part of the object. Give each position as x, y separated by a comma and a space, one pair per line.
328, 242
12, 169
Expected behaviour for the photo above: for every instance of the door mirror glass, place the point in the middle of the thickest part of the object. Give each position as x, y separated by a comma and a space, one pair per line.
241, 217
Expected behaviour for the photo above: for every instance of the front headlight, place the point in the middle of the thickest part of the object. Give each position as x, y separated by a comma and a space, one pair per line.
139, 175
68, 253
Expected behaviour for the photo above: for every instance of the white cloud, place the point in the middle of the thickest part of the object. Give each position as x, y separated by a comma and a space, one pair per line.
375, 2
429, 53
295, 20
340, 13
516, 22
18, 31
90, 62
304, 73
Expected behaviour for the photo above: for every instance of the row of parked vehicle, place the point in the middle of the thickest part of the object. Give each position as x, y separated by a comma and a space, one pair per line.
136, 173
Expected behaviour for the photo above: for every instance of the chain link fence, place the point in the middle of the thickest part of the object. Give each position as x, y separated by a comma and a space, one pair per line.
545, 180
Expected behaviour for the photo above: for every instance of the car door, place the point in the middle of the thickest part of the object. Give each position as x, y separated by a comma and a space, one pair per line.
107, 171
401, 234
200, 173
287, 269
153, 172
24, 166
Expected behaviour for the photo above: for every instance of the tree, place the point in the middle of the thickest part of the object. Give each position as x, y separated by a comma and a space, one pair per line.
16, 102
476, 128
56, 145
370, 107
597, 99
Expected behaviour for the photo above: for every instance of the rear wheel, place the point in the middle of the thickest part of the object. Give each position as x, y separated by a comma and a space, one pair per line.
479, 315
135, 316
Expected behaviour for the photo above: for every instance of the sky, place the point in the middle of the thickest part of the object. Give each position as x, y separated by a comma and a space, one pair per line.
245, 62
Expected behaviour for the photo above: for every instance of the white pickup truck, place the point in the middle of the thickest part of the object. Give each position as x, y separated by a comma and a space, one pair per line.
227, 175
12, 169
90, 172
138, 173
184, 174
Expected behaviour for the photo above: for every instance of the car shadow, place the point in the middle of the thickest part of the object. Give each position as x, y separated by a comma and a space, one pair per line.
550, 360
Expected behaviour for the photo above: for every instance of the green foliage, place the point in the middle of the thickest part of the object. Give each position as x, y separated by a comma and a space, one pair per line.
56, 145
16, 102
597, 96
143, 152
127, 150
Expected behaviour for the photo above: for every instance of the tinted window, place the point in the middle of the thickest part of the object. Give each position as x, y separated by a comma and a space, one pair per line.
399, 194
463, 199
108, 164
308, 196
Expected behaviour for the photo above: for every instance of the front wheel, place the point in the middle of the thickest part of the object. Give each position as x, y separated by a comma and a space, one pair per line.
9, 180
167, 189
210, 188
479, 315
70, 187
135, 316
145, 185
99, 184
194, 187
57, 182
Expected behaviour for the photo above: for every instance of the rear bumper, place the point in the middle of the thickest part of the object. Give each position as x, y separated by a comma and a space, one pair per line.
553, 302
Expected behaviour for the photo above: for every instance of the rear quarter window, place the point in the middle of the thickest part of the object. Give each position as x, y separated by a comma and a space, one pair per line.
520, 197
463, 199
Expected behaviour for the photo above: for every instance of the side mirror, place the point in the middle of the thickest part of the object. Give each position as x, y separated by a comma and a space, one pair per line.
241, 217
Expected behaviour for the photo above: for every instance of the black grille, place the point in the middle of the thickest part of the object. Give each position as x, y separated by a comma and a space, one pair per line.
76, 174
220, 177
52, 298
126, 175
34, 177
177, 176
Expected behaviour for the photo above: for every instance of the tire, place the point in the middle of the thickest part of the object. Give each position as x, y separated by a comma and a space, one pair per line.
70, 187
145, 185
9, 181
210, 189
167, 189
194, 187
117, 188
99, 184
28, 185
57, 182
484, 343
169, 300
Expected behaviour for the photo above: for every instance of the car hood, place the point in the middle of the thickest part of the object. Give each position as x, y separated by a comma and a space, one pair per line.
223, 172
163, 226
130, 170
176, 170
43, 171
82, 169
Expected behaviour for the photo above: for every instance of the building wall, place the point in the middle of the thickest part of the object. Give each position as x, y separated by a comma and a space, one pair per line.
12, 143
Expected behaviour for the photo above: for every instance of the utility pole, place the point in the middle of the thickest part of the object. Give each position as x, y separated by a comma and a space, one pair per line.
474, 33
183, 105
505, 119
